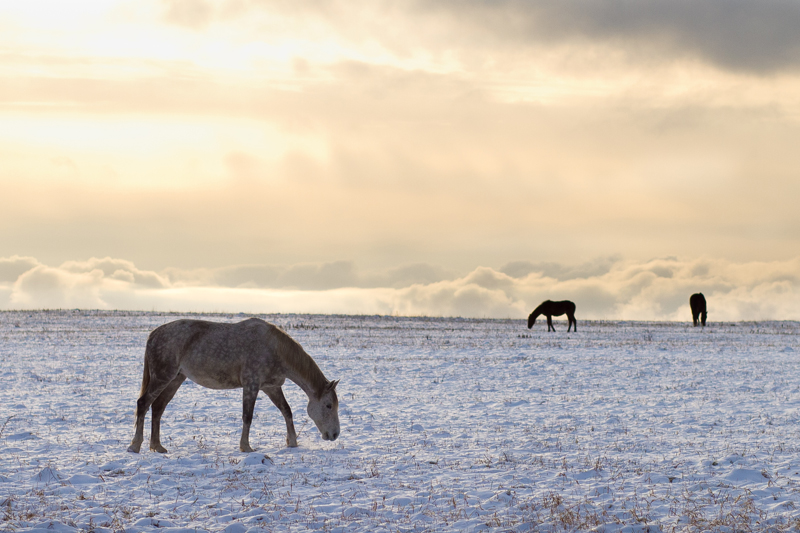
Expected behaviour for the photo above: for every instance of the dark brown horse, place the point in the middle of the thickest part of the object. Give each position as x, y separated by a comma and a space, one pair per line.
251, 355
698, 304
550, 309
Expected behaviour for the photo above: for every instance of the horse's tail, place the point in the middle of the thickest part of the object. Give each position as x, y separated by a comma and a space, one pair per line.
145, 383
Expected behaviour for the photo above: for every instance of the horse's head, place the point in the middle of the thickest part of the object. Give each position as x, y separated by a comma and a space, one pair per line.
532, 319
324, 411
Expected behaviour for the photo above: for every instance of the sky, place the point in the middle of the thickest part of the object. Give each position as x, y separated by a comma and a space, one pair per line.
466, 158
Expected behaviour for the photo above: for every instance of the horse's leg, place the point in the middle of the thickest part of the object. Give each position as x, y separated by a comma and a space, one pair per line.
159, 405
570, 321
154, 387
550, 323
138, 414
249, 395
276, 395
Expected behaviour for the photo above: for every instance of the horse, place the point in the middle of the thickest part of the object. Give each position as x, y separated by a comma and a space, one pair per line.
251, 355
549, 309
698, 304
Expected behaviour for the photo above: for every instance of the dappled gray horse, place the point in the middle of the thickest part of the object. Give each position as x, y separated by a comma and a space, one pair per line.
252, 355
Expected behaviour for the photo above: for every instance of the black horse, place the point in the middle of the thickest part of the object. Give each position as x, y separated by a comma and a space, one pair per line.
549, 309
698, 304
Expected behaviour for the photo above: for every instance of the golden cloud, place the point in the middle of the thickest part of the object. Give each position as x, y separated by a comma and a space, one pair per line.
658, 289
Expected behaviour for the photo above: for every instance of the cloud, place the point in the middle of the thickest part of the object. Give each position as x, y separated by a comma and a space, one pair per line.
53, 288
13, 267
117, 269
307, 276
195, 14
448, 184
415, 274
444, 173
737, 35
461, 297
657, 289
597, 267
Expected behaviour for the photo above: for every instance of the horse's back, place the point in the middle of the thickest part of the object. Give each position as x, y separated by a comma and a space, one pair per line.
563, 307
188, 336
549, 307
212, 354
697, 301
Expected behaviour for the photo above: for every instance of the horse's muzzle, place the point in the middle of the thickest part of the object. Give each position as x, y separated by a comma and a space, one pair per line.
330, 435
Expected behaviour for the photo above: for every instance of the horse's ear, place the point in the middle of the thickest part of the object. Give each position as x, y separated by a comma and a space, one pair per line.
329, 387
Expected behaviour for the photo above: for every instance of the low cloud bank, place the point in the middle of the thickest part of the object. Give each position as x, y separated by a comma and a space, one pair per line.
607, 288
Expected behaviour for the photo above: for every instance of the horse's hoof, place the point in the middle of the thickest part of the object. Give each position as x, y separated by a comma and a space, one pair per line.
246, 449
134, 449
158, 448
291, 443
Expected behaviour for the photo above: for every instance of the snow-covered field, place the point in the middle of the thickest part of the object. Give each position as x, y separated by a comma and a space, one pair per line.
447, 425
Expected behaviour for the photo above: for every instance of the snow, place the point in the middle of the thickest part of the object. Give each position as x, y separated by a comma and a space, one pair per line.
447, 425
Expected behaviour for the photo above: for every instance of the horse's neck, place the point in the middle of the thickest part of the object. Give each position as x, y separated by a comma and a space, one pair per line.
302, 369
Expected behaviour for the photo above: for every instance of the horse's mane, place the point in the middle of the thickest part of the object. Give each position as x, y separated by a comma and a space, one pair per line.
295, 357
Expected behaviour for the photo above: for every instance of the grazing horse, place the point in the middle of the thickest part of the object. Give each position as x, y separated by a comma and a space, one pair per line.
252, 355
549, 309
698, 304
